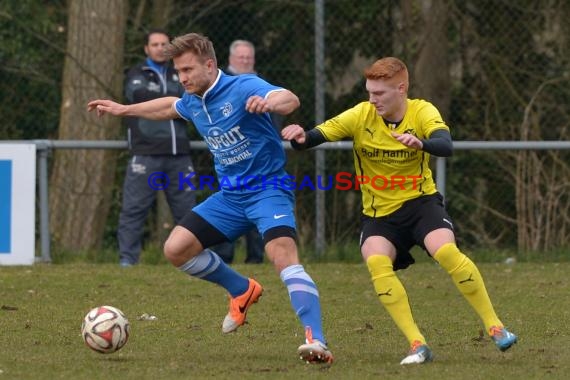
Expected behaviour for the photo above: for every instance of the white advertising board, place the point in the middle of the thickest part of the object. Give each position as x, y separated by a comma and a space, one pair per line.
17, 204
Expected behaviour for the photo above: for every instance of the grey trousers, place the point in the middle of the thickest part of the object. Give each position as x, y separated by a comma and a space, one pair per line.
145, 175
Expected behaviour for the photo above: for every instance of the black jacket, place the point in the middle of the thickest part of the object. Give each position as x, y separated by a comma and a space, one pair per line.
154, 137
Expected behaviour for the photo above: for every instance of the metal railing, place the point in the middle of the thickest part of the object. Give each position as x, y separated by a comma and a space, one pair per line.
43, 148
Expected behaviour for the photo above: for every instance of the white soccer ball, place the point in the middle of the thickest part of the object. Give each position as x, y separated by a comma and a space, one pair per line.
105, 329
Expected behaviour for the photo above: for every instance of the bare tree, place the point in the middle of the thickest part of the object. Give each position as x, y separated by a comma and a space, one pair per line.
81, 180
537, 181
542, 185
431, 72
161, 14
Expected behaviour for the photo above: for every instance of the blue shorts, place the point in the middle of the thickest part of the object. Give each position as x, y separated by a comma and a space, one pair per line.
234, 214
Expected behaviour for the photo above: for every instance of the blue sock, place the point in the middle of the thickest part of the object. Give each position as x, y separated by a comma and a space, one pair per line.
304, 298
210, 267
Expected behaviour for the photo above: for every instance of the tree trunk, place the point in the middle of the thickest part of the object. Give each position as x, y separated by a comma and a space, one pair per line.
82, 180
161, 11
432, 67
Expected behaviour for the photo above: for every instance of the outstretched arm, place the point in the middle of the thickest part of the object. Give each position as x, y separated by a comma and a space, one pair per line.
156, 109
301, 140
282, 102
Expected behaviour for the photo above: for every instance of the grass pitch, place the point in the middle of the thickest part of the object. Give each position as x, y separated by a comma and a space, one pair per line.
41, 309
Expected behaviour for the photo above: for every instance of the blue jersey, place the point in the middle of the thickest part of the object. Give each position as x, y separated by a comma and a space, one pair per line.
247, 149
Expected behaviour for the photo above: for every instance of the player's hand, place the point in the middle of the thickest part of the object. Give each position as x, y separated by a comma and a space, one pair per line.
257, 104
293, 132
103, 106
408, 140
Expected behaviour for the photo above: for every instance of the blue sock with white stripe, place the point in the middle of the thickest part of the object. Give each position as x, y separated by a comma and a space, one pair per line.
210, 267
304, 298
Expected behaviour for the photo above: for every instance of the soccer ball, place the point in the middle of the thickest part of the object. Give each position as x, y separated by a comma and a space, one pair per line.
105, 329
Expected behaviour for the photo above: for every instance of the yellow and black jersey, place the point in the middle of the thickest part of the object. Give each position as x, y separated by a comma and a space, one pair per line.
389, 172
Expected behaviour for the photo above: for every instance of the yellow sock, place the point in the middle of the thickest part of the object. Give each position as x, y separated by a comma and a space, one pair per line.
468, 280
393, 296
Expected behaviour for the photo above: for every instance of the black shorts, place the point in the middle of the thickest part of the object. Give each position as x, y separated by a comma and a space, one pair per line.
208, 235
408, 226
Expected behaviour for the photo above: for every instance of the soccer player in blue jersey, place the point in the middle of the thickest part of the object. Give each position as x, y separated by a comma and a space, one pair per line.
393, 138
232, 115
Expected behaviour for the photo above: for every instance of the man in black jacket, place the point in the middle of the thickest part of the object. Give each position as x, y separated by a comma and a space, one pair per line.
160, 150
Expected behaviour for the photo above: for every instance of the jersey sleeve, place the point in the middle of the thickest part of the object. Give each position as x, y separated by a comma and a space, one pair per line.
343, 125
181, 106
432, 120
251, 85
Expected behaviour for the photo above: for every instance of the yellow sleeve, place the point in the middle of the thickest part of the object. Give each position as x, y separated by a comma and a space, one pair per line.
343, 125
431, 119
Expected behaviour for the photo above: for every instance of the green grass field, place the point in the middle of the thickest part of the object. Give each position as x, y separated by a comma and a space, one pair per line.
41, 309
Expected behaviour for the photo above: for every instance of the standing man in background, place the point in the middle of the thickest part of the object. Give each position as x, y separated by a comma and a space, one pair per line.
155, 146
241, 58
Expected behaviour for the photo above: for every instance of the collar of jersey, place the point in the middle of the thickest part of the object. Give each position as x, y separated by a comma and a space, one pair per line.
212, 88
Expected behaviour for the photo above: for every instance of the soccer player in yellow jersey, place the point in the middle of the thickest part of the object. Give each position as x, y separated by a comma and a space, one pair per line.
393, 139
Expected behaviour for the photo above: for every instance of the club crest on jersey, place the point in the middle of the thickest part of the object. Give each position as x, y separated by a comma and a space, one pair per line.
227, 109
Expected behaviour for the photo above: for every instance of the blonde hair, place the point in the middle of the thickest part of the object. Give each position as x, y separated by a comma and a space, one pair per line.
390, 69
197, 44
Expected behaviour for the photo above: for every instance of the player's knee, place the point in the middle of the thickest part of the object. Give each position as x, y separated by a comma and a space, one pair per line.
379, 266
282, 252
176, 252
170, 250
181, 246
449, 257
